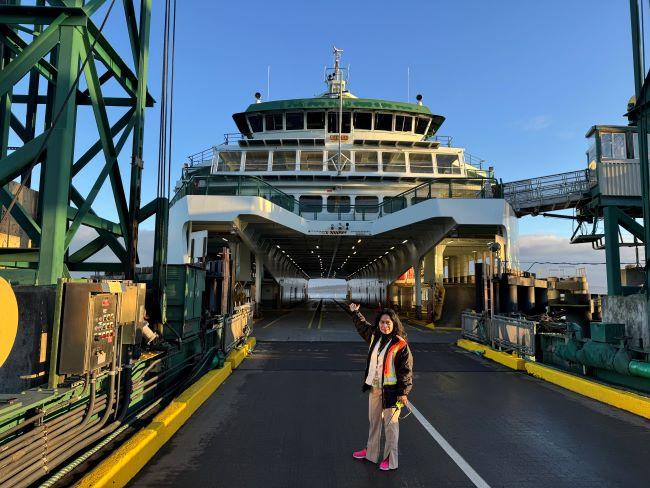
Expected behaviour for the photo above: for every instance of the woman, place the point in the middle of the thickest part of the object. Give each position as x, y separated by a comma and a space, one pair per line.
388, 377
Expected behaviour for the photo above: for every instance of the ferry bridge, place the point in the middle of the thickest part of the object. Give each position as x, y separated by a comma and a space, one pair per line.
215, 366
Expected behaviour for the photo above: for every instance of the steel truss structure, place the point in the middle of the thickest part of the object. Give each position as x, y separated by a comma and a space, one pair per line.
48, 48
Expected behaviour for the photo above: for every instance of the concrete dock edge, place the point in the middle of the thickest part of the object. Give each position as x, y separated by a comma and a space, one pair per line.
616, 397
126, 461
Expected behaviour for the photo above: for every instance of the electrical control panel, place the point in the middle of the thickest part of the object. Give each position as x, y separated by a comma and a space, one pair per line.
88, 327
94, 315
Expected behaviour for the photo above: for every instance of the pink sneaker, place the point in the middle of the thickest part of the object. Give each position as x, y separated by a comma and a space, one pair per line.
385, 465
359, 454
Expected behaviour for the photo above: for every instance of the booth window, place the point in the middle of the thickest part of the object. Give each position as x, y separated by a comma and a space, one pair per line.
295, 121
315, 120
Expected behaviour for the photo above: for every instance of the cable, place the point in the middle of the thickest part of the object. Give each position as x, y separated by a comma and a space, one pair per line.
72, 90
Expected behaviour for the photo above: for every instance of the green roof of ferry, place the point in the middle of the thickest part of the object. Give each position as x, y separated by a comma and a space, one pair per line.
333, 103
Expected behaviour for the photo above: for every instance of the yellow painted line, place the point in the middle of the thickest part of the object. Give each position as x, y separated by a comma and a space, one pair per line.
127, 460
320, 321
509, 360
312, 319
625, 400
275, 320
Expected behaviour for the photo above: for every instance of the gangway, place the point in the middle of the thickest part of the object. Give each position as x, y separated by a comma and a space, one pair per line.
546, 193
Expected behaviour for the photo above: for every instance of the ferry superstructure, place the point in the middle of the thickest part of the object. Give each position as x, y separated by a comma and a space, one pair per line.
365, 199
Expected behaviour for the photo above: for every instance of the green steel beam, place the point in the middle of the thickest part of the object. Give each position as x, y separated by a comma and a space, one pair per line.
27, 59
612, 251
110, 152
58, 164
18, 254
107, 235
20, 130
132, 27
148, 210
138, 138
95, 222
639, 114
22, 216
83, 99
29, 14
14, 42
20, 159
87, 251
5, 104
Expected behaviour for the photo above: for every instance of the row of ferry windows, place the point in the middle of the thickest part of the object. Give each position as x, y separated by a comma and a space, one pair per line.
362, 204
365, 161
358, 120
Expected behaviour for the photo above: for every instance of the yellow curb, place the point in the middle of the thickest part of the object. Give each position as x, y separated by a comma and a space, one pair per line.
625, 400
512, 362
127, 460
236, 356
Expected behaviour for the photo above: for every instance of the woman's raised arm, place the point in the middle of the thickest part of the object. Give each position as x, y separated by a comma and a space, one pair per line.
364, 328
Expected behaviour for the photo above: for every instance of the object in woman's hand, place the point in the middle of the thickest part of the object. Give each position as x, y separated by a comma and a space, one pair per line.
354, 307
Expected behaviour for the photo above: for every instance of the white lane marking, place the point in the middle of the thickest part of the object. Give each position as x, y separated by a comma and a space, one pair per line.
451, 452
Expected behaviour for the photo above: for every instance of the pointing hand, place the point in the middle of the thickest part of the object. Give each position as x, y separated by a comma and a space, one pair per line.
354, 307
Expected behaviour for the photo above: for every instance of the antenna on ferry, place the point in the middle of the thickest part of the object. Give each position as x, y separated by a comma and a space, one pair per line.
268, 82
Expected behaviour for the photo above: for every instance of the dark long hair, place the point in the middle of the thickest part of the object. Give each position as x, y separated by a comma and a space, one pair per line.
398, 327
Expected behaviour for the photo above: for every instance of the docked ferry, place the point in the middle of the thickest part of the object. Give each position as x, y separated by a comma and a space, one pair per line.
338, 186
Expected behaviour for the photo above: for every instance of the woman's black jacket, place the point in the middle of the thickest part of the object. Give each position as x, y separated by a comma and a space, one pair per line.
403, 362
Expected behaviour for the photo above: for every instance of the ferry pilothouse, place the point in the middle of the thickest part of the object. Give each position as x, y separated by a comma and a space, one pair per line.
338, 186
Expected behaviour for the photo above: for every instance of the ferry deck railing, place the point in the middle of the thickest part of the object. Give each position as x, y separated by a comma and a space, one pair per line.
248, 185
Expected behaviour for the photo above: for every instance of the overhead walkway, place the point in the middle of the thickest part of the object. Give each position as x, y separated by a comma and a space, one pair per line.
548, 193
294, 412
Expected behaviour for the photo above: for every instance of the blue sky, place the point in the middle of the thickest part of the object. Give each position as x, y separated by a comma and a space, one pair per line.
520, 82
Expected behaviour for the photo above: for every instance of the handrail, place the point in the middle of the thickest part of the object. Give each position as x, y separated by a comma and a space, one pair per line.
250, 185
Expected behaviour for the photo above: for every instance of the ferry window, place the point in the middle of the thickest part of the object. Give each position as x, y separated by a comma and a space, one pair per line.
310, 204
315, 120
415, 200
295, 121
255, 123
311, 160
393, 162
383, 121
229, 161
421, 162
363, 120
393, 204
403, 123
273, 121
421, 124
256, 161
284, 161
366, 205
333, 125
336, 204
345, 164
366, 161
447, 164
